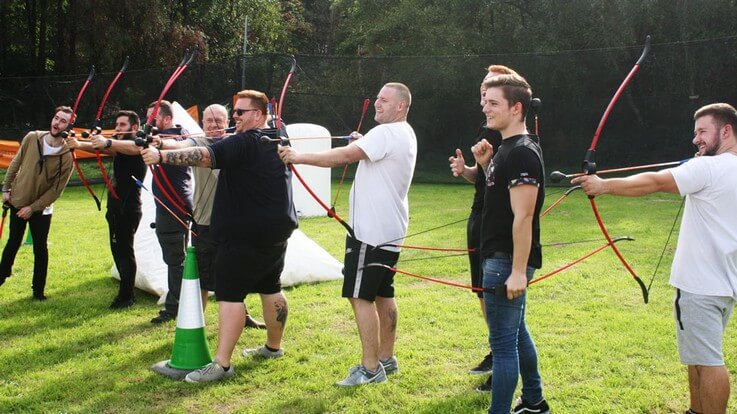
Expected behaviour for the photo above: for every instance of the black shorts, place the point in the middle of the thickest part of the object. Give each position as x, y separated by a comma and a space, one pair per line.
242, 268
473, 238
367, 282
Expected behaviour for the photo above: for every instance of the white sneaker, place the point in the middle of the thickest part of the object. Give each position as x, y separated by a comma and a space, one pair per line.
359, 375
210, 372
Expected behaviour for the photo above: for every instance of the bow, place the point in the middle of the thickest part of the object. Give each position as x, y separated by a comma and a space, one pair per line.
144, 137
69, 129
589, 167
96, 129
278, 121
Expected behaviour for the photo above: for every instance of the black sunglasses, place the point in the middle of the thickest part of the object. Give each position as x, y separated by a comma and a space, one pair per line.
242, 111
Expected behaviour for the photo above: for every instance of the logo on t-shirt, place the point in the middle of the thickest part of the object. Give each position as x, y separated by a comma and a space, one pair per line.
490, 174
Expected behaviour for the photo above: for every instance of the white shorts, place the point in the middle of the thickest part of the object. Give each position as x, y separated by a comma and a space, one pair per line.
700, 324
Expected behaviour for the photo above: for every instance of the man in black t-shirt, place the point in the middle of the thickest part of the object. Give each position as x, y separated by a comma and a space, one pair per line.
510, 241
477, 177
252, 219
124, 205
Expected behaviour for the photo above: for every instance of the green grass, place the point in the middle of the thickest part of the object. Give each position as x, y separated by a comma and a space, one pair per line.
601, 349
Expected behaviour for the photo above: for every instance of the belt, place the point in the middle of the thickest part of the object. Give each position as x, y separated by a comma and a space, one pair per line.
501, 255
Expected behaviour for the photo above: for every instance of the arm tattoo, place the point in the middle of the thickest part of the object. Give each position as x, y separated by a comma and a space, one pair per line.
281, 311
188, 156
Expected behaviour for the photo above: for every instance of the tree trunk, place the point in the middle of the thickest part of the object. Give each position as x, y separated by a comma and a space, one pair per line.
41, 57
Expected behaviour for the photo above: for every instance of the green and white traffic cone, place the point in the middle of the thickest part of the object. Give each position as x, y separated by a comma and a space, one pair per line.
191, 351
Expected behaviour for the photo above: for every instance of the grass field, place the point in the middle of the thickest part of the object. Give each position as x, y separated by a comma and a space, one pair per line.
601, 349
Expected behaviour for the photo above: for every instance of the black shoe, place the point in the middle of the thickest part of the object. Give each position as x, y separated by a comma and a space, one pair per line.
164, 316
484, 367
485, 387
253, 323
524, 407
39, 297
2, 280
122, 303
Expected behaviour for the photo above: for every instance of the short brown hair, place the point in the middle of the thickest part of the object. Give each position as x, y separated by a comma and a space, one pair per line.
515, 89
133, 118
722, 113
165, 108
259, 99
502, 70
402, 91
65, 109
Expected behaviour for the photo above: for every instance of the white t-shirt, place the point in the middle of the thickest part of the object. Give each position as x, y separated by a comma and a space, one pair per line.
378, 200
49, 150
705, 262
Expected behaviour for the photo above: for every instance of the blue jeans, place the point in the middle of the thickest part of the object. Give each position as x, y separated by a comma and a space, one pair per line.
512, 348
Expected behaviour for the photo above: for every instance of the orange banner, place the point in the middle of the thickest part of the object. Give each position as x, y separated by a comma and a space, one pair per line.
8, 149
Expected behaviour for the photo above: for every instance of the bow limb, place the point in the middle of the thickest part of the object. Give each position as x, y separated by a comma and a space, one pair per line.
73, 119
278, 123
589, 166
98, 118
144, 137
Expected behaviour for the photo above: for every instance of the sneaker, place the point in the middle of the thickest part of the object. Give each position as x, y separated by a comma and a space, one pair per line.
210, 372
263, 352
120, 303
253, 323
390, 365
484, 367
359, 375
164, 316
524, 407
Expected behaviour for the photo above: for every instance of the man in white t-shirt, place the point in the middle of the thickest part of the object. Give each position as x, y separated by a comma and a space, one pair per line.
704, 270
379, 214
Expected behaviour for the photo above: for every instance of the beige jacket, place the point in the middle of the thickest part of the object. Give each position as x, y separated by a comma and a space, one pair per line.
33, 179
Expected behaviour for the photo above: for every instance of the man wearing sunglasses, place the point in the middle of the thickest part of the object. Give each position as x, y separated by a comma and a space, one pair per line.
215, 124
252, 219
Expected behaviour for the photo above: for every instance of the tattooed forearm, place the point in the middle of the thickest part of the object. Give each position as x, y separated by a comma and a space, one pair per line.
198, 157
282, 310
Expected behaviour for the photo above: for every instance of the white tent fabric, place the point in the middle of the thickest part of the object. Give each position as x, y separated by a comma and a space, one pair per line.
305, 262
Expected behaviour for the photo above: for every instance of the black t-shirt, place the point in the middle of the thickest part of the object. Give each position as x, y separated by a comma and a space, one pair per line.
517, 162
180, 178
253, 200
128, 192
495, 139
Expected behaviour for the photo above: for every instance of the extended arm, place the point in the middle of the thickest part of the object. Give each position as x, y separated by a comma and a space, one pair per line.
331, 158
632, 186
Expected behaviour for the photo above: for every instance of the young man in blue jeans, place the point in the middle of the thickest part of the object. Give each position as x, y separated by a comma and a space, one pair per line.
510, 242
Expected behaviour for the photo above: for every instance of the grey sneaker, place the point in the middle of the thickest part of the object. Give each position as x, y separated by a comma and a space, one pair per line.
391, 365
359, 375
210, 372
263, 352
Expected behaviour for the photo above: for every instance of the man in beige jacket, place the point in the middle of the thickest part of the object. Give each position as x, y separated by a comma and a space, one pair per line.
35, 179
